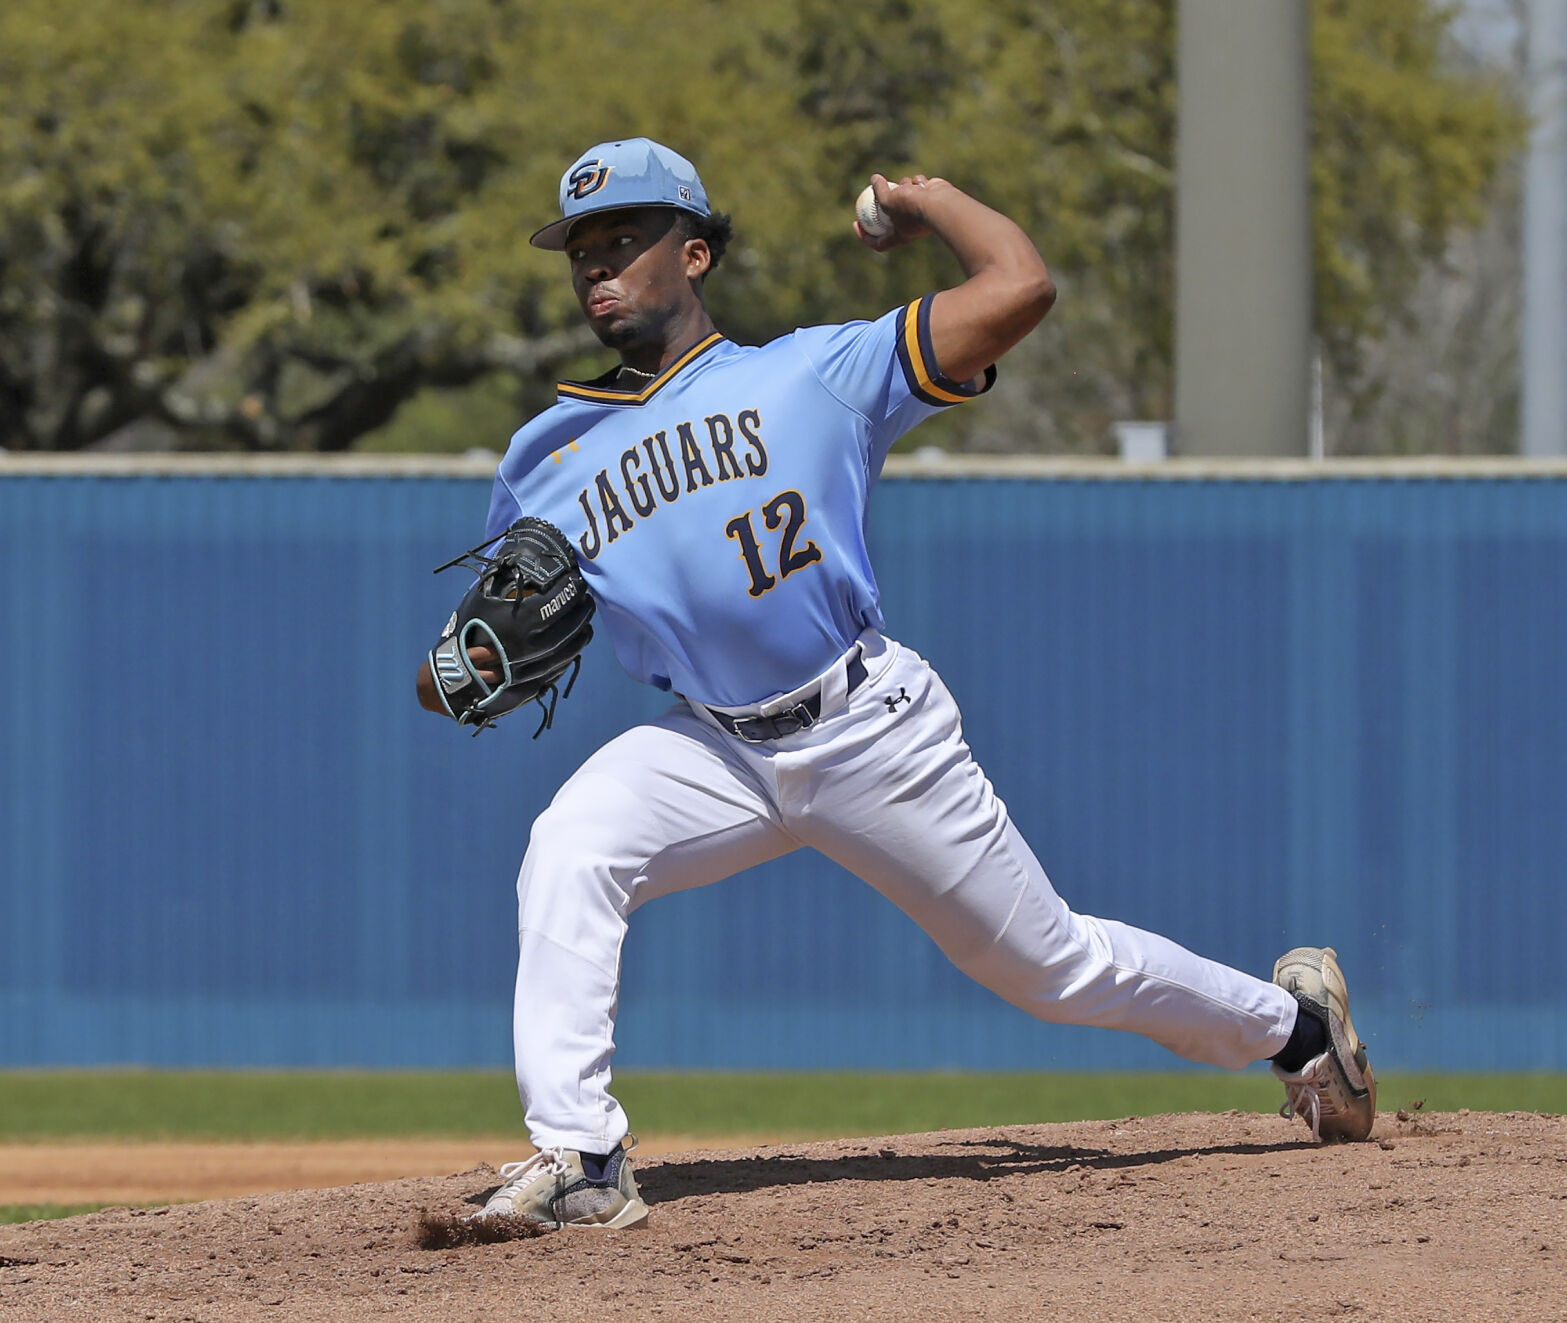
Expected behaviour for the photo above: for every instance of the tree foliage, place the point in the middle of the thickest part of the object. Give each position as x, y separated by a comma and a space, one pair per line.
1405, 150
264, 224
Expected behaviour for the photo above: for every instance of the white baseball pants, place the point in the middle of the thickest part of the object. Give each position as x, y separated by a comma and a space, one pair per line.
892, 794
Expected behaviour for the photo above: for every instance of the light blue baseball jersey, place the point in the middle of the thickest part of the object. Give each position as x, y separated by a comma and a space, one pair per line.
719, 511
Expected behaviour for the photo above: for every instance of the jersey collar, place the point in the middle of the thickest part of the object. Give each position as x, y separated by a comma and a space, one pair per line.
594, 393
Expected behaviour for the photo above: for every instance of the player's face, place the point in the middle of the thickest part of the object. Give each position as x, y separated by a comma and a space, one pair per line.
630, 271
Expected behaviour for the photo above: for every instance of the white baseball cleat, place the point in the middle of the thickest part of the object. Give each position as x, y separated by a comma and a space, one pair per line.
1335, 1093
552, 1189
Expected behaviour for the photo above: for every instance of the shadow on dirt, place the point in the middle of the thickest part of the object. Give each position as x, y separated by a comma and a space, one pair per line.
973, 1160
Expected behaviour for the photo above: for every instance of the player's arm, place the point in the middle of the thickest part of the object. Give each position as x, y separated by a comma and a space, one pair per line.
1008, 290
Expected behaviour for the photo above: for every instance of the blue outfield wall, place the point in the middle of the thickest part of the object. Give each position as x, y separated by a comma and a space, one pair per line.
1247, 713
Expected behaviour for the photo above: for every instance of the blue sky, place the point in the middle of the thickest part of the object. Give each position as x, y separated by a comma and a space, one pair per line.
1488, 26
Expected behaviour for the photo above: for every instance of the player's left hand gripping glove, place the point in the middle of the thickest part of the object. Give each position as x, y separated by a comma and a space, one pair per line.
531, 607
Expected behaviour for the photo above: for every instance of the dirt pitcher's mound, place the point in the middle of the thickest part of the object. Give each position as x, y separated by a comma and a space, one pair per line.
1175, 1217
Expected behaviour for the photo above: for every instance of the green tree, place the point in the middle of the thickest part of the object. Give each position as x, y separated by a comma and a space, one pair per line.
257, 224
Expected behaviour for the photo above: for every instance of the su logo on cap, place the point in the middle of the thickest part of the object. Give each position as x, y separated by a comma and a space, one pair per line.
587, 178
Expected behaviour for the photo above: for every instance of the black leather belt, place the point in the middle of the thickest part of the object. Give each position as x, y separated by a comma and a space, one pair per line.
758, 730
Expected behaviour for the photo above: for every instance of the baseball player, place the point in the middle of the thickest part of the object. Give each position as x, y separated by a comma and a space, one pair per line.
715, 497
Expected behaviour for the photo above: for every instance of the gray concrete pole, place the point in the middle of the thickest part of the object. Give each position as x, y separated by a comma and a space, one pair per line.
1544, 347
1243, 229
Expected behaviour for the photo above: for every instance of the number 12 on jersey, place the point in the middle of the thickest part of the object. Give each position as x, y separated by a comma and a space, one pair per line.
787, 509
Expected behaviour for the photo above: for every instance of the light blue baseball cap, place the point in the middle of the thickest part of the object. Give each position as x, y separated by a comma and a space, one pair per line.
636, 172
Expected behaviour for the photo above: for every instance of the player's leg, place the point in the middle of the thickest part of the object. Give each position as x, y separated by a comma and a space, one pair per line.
664, 807
889, 789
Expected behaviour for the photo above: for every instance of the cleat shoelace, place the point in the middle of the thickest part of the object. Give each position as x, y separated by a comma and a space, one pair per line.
1308, 1095
515, 1175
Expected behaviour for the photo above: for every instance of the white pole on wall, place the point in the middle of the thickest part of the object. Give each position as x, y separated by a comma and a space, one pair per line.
1544, 348
1243, 229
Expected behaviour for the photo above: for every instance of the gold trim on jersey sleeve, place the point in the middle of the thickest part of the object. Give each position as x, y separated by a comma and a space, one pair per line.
918, 358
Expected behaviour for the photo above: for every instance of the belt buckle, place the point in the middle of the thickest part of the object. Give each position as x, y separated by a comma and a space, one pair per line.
800, 712
740, 724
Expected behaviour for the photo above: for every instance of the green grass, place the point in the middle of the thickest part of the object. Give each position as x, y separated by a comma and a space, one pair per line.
11, 1213
324, 1105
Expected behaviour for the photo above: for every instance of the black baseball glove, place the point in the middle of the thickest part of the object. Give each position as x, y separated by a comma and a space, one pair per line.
531, 607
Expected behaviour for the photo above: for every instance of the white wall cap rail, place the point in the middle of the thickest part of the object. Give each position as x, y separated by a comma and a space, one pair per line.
29, 463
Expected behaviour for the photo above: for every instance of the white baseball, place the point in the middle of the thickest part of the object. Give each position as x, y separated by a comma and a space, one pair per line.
872, 220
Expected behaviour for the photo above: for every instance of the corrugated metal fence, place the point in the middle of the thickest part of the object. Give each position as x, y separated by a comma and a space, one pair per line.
1246, 708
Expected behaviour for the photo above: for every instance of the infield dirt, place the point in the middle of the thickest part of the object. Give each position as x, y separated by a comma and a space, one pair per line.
1174, 1217
156, 1171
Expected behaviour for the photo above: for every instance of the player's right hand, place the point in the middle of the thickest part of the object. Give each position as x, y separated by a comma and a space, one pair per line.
903, 205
